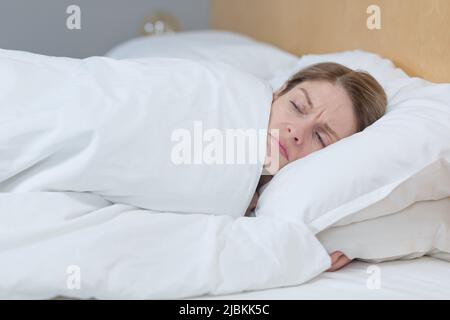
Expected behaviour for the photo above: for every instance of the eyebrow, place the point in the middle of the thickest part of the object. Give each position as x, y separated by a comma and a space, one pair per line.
307, 97
325, 125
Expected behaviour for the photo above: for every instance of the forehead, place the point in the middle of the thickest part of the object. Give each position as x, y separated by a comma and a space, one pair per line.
324, 93
332, 101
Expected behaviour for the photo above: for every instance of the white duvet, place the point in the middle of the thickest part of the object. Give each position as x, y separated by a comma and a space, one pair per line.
114, 128
91, 204
78, 245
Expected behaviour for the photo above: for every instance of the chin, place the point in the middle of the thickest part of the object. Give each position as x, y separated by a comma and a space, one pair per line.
273, 169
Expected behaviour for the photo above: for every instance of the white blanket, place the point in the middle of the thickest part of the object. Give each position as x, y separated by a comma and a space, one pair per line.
78, 135
79, 245
114, 128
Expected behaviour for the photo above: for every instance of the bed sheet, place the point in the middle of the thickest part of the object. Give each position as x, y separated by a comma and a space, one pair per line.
423, 278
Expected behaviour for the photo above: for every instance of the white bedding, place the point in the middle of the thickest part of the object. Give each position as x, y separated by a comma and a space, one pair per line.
423, 278
50, 240
78, 135
133, 132
79, 245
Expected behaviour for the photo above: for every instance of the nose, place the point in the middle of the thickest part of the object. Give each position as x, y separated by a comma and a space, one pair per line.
300, 130
298, 133
295, 135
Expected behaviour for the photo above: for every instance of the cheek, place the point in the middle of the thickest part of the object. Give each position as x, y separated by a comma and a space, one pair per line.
278, 116
303, 150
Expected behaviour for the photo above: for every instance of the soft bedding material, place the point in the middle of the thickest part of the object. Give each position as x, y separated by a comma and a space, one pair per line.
423, 278
258, 58
80, 245
85, 142
420, 229
86, 137
115, 128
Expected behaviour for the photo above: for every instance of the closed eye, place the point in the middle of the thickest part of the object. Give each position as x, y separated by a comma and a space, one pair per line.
296, 106
320, 140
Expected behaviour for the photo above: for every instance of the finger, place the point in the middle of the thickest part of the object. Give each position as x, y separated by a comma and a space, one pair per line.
341, 262
335, 256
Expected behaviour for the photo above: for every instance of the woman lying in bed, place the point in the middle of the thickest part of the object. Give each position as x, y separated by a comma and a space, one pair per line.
103, 132
316, 107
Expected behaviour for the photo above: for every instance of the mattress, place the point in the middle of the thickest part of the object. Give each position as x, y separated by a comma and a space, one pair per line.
423, 278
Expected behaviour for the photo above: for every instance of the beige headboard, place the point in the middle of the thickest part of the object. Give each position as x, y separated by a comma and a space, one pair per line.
414, 34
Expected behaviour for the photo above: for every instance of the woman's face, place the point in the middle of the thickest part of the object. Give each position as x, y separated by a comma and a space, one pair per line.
309, 117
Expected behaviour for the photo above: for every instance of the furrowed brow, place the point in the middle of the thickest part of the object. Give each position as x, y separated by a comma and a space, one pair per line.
325, 125
308, 99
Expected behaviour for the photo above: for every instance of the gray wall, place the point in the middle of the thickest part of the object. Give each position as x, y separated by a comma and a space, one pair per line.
40, 25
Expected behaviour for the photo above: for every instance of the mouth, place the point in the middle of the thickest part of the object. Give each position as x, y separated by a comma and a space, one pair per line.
281, 148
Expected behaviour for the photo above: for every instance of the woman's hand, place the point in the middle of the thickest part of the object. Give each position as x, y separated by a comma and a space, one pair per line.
252, 204
338, 260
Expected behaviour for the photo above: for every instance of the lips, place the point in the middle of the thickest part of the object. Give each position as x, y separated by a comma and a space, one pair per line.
282, 149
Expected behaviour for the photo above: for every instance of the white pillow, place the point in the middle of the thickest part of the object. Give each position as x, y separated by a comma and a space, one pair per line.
402, 158
381, 69
420, 229
244, 53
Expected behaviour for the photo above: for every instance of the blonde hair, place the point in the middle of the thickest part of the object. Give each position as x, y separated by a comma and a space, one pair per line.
367, 96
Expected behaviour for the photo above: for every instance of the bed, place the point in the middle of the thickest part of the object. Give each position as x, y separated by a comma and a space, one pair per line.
338, 26
423, 278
